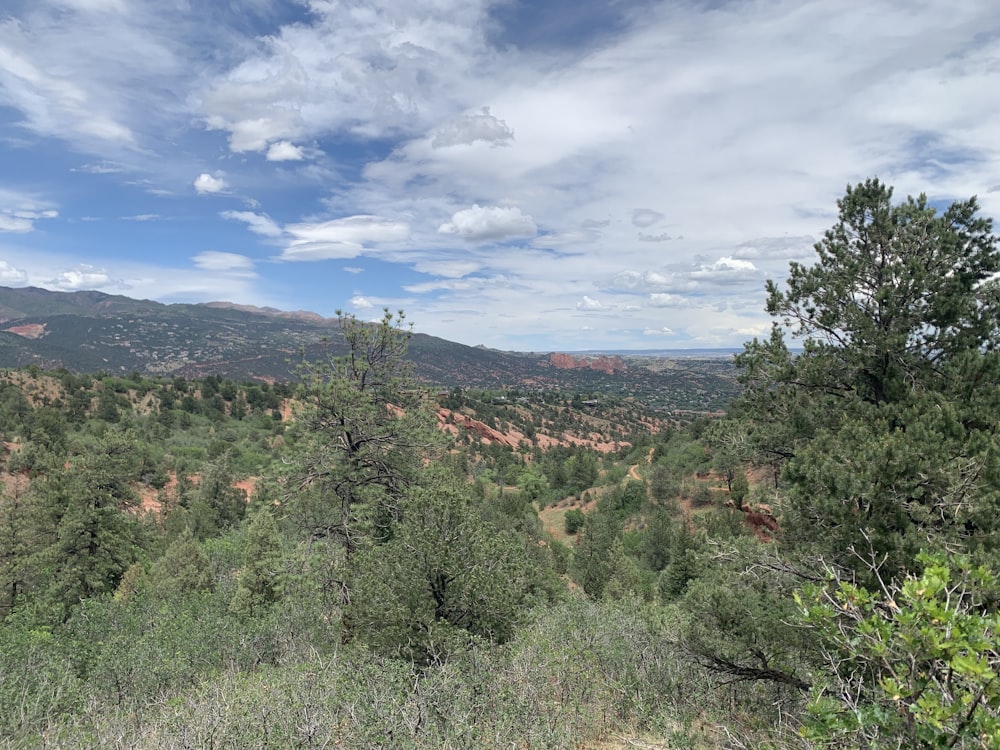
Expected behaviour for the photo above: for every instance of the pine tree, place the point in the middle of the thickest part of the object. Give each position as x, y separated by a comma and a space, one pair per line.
364, 436
882, 422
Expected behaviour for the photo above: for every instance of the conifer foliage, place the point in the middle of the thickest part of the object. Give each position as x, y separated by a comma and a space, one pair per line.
364, 436
898, 322
883, 428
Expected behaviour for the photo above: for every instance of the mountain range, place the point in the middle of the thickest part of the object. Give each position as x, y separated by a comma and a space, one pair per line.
90, 331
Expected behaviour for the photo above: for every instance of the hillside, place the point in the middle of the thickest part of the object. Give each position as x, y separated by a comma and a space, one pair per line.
93, 332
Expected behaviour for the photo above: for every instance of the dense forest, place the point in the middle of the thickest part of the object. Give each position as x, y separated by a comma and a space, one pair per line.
354, 560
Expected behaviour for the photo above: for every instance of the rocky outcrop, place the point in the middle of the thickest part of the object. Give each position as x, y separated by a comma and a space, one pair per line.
602, 363
484, 432
28, 331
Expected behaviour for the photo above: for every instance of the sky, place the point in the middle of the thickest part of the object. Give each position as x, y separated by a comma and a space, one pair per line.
557, 175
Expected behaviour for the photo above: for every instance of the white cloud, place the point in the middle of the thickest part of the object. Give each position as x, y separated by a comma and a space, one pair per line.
490, 223
82, 277
342, 238
640, 281
589, 303
449, 285
454, 268
256, 223
11, 275
104, 167
45, 98
729, 132
361, 229
19, 212
214, 260
662, 299
361, 303
726, 270
664, 331
206, 184
9, 223
284, 151
369, 70
304, 250
468, 129
783, 248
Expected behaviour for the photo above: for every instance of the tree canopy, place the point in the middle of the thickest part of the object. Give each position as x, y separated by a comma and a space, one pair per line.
897, 321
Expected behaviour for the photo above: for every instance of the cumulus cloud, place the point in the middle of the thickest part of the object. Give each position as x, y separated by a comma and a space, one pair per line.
726, 270
490, 223
589, 303
256, 223
83, 277
11, 275
388, 98
371, 72
640, 281
214, 260
206, 184
284, 151
646, 217
468, 129
361, 303
662, 299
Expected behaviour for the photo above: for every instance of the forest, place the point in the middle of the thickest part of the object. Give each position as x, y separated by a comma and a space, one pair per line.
355, 560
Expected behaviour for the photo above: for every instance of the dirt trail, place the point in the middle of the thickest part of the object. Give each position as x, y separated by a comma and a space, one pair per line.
633, 471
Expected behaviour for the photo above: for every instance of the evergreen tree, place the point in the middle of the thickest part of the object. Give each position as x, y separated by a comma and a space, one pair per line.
658, 539
898, 321
364, 436
88, 535
15, 540
184, 568
260, 579
216, 504
592, 555
447, 577
883, 430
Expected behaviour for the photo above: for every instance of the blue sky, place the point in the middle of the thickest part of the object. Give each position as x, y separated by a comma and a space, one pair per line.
528, 176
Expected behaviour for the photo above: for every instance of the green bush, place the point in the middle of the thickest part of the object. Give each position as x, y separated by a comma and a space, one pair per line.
574, 520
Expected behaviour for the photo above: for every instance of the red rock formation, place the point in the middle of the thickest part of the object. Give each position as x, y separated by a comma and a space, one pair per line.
28, 331
761, 520
483, 431
605, 364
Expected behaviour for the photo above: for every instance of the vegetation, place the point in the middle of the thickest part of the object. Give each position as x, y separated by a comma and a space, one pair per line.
360, 561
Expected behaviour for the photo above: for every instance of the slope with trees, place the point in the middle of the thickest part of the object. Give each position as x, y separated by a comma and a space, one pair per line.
816, 569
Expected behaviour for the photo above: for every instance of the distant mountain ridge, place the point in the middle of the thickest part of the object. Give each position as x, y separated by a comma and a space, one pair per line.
90, 331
